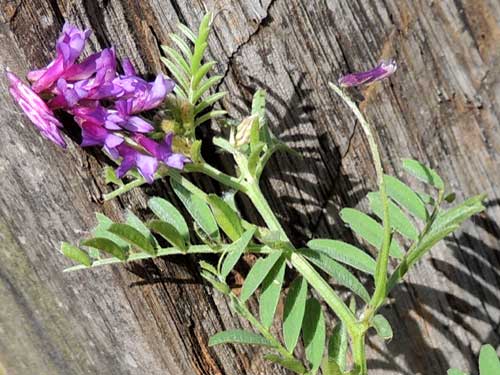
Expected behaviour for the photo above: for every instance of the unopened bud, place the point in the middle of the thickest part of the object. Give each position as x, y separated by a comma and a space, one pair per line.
244, 130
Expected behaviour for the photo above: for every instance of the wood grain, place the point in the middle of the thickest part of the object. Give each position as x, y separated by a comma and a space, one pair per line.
441, 107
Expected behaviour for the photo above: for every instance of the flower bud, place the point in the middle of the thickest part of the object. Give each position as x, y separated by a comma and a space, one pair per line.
243, 131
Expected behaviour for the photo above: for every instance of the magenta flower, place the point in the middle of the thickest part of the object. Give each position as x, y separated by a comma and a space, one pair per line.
381, 71
36, 109
163, 151
69, 47
132, 158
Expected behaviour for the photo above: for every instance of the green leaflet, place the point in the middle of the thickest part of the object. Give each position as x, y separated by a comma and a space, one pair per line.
288, 363
454, 371
368, 229
338, 272
293, 314
235, 251
198, 209
270, 294
101, 230
405, 197
257, 274
459, 213
226, 217
167, 212
314, 333
337, 349
134, 221
205, 86
423, 173
168, 232
238, 336
132, 236
110, 176
489, 364
107, 246
399, 221
428, 242
76, 254
345, 253
382, 326
208, 101
259, 106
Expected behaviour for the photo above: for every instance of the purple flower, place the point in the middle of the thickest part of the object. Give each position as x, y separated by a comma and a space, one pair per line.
128, 68
95, 135
36, 109
100, 61
381, 71
142, 95
163, 151
69, 47
146, 165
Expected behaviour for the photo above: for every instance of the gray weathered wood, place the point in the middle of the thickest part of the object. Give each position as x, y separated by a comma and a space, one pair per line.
441, 107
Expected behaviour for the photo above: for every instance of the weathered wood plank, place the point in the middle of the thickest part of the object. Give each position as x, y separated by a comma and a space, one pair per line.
441, 107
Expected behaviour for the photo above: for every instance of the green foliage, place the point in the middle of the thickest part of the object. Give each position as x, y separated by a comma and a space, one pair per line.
235, 251
167, 212
258, 273
198, 209
271, 290
382, 326
368, 229
489, 362
238, 336
406, 197
193, 84
314, 333
227, 218
169, 233
288, 363
423, 173
337, 272
293, 315
335, 360
345, 253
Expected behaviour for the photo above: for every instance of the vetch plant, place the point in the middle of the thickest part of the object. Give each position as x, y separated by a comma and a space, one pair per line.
107, 106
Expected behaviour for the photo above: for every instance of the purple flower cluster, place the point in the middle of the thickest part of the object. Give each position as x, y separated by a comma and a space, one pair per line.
381, 71
104, 103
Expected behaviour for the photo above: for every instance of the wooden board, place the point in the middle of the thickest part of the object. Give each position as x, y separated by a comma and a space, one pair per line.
441, 107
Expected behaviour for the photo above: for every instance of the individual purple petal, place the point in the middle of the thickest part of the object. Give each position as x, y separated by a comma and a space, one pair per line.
131, 158
69, 47
137, 124
71, 42
36, 109
104, 60
176, 161
381, 71
147, 166
93, 135
162, 151
128, 68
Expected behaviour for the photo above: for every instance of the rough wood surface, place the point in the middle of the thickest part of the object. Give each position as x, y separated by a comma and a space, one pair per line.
441, 107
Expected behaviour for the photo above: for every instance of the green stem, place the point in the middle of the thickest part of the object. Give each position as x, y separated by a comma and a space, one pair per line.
124, 188
193, 249
243, 311
359, 354
300, 263
383, 256
216, 174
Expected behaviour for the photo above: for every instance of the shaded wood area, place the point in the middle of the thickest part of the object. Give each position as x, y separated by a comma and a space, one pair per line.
441, 107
